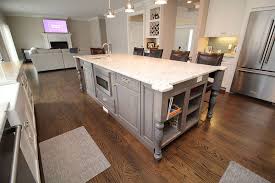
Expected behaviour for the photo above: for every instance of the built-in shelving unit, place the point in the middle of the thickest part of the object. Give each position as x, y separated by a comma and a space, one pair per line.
174, 117
185, 114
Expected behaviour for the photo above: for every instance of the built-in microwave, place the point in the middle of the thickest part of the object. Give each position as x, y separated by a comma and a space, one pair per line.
103, 80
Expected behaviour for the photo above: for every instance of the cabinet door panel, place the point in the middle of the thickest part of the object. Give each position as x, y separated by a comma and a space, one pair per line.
147, 119
128, 103
89, 80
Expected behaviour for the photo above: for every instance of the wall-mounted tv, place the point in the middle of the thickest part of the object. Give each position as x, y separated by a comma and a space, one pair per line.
55, 26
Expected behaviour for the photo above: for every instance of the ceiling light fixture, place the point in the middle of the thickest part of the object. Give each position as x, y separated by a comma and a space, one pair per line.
189, 2
110, 13
160, 2
129, 7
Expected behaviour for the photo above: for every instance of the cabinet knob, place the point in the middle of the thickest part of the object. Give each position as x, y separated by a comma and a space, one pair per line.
26, 124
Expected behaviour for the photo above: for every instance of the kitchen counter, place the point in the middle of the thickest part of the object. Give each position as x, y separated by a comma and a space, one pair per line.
161, 74
139, 93
3, 116
9, 72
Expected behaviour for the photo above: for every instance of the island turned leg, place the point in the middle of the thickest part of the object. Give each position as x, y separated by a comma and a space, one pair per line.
158, 138
80, 74
215, 91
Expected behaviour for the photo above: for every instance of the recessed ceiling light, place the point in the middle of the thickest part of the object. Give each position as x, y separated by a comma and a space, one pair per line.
159, 2
189, 2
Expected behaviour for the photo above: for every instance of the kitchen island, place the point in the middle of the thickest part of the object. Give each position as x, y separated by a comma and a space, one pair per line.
157, 100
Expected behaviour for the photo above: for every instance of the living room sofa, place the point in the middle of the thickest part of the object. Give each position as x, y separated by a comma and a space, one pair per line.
53, 59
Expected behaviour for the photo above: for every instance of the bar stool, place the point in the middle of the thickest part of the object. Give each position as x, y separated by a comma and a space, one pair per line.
138, 51
180, 55
156, 53
96, 51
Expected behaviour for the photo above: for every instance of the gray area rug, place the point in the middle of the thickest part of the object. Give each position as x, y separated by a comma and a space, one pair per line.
72, 157
235, 173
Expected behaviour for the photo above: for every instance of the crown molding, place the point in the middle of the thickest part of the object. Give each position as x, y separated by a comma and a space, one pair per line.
34, 16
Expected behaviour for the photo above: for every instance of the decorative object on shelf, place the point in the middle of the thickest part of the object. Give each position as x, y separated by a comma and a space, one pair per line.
154, 28
110, 12
129, 7
150, 45
160, 2
155, 13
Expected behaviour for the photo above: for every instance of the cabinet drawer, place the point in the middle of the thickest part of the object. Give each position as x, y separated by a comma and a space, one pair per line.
108, 102
128, 82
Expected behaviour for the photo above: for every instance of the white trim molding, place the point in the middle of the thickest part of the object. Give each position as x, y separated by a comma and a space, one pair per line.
49, 37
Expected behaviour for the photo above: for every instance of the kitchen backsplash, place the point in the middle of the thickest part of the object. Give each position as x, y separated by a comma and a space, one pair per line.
225, 44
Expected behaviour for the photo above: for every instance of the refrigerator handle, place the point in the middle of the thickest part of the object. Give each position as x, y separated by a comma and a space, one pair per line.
271, 30
272, 39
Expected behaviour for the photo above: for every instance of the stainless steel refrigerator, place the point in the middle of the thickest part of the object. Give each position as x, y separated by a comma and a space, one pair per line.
255, 73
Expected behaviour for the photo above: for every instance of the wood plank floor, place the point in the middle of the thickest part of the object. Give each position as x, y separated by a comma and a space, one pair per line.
241, 130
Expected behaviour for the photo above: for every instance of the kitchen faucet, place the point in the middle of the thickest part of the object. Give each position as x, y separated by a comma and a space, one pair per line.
109, 48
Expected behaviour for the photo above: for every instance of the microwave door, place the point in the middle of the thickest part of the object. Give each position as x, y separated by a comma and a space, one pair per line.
256, 38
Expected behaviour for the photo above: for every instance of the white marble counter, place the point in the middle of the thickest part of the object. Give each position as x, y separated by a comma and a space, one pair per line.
3, 116
161, 74
9, 72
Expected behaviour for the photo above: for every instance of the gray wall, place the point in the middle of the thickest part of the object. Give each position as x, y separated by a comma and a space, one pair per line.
116, 29
26, 32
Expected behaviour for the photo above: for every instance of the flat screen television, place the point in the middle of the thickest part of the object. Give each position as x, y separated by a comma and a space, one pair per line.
55, 26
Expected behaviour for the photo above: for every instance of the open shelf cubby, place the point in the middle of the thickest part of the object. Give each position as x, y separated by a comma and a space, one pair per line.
192, 118
194, 104
172, 124
196, 92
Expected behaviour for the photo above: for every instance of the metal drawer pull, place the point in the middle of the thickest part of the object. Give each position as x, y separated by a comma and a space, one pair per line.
26, 124
16, 146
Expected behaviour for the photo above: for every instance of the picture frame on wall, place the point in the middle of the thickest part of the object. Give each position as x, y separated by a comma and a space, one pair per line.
150, 45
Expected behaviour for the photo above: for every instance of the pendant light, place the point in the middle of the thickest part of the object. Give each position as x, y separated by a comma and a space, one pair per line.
110, 13
129, 7
160, 2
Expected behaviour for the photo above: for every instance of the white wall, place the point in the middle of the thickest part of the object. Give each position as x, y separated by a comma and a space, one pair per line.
97, 32
168, 27
26, 32
80, 30
116, 29
3, 50
135, 32
6, 41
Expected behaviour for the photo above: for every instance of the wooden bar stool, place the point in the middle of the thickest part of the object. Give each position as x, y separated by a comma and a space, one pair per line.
96, 51
214, 59
138, 51
156, 53
180, 55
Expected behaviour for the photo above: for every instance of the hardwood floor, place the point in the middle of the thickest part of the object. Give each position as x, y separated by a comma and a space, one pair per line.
241, 130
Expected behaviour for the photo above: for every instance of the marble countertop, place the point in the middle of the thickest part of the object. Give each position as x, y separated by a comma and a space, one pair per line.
161, 74
3, 116
9, 72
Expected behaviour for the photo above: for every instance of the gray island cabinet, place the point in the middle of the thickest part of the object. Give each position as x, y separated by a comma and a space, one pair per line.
157, 100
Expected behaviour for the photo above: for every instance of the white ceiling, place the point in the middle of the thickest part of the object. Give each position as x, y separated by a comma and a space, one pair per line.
81, 9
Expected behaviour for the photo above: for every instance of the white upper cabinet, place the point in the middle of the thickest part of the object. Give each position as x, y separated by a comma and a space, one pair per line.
224, 18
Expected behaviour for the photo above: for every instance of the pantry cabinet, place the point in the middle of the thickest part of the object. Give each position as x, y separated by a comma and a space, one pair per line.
224, 18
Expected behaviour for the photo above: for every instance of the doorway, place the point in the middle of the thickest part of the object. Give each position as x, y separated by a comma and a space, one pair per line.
135, 31
184, 37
